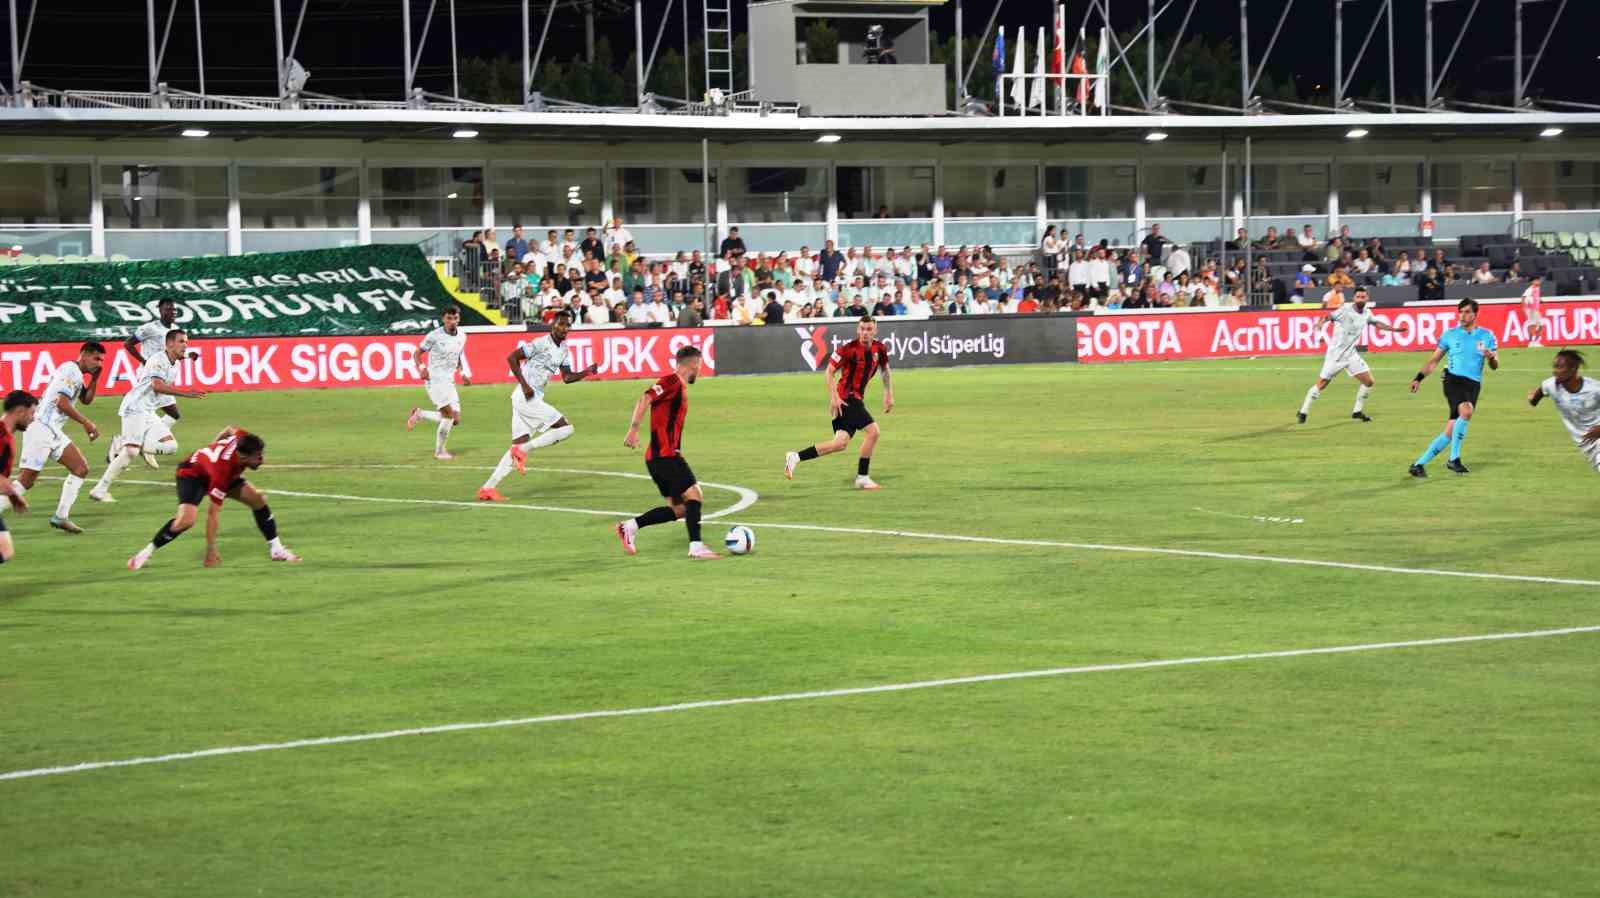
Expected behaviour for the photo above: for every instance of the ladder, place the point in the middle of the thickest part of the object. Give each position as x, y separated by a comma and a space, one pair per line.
718, 21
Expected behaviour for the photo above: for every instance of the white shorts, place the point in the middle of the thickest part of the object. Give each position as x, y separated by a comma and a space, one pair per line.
42, 444
444, 394
1350, 361
144, 430
166, 400
1590, 452
531, 417
1535, 319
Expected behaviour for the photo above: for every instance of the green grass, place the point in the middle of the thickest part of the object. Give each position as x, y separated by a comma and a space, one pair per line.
1450, 770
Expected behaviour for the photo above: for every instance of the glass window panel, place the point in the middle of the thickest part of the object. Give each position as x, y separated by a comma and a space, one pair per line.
987, 191
661, 195
1090, 191
164, 196
45, 193
1556, 184
1380, 187
448, 197
898, 190
1478, 186
1289, 188
777, 194
546, 197
298, 196
1186, 191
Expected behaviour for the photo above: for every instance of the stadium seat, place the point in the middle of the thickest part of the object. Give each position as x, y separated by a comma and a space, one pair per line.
1594, 238
1580, 238
1564, 239
96, 257
27, 259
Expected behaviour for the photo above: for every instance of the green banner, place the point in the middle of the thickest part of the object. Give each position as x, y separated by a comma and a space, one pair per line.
384, 289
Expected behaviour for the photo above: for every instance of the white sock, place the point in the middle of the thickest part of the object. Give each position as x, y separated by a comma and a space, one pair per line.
430, 416
1311, 396
443, 435
69, 495
696, 545
275, 544
551, 437
1361, 397
119, 463
163, 447
17, 489
500, 471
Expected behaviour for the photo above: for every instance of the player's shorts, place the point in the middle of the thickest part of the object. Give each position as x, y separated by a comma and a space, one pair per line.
1458, 390
166, 400
144, 430
193, 490
1592, 453
1535, 319
853, 416
531, 417
2, 520
443, 394
40, 444
1351, 362
671, 474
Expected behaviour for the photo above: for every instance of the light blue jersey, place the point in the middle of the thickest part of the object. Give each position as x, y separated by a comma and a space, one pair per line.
1466, 348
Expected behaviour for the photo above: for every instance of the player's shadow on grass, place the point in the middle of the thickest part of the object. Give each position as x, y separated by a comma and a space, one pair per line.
1271, 431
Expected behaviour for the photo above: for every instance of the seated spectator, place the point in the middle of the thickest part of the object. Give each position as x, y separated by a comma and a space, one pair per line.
772, 311
1363, 263
1304, 280
1482, 275
693, 313
1240, 241
1270, 241
619, 313
1166, 291
1514, 274
721, 307
1393, 279
1430, 287
598, 312
1307, 242
1334, 251
1402, 265
1340, 277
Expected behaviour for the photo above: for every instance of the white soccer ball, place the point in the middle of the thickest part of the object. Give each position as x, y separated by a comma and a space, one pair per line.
741, 540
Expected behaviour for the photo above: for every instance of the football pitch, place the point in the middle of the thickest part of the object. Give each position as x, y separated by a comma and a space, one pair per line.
1123, 514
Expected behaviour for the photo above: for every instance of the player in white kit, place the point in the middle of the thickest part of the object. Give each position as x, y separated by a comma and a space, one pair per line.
1532, 300
1350, 322
445, 347
534, 423
47, 439
149, 340
143, 431
1577, 398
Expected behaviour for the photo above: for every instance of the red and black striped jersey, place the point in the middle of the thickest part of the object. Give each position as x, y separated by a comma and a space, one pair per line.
8, 450
856, 363
668, 407
218, 464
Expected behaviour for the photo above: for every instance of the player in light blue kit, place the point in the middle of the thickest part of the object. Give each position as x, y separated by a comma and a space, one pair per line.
1468, 347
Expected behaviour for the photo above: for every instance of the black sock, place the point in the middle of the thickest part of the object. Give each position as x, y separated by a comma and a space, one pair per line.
265, 523
164, 535
808, 453
691, 519
662, 515
863, 465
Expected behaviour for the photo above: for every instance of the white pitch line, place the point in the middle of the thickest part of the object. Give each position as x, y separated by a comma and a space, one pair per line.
782, 697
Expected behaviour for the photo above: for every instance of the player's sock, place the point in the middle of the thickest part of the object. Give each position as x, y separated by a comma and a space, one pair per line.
1456, 438
551, 437
862, 465
119, 464
691, 519
429, 416
1361, 398
1311, 396
659, 515
18, 490
443, 434
162, 537
266, 524
162, 447
501, 471
69, 495
808, 453
1434, 448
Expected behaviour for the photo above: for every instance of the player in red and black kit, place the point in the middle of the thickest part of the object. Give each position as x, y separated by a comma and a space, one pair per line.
854, 363
19, 409
664, 457
217, 471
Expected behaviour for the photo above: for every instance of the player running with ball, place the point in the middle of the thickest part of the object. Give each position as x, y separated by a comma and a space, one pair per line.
668, 406
217, 471
1468, 347
1350, 322
1577, 398
445, 346
854, 363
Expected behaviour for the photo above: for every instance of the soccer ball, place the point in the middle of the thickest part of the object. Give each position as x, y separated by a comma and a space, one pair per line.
741, 540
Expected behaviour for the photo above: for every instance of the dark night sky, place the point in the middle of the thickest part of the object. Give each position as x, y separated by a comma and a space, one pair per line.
353, 47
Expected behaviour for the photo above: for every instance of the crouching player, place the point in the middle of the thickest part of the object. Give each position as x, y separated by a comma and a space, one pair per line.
217, 471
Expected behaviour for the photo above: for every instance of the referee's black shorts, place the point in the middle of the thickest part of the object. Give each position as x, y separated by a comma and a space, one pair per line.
853, 416
1459, 389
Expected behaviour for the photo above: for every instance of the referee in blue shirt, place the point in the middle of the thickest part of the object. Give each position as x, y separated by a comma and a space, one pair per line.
1468, 347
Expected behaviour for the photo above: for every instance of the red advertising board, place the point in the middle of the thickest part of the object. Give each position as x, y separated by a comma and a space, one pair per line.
285, 363
1210, 335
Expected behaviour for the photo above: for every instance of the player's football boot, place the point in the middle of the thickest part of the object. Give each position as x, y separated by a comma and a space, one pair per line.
1457, 466
101, 496
790, 462
65, 525
1360, 416
866, 483
149, 460
1300, 416
137, 561
519, 457
284, 555
702, 552
490, 494
444, 456
1417, 471
626, 531
413, 418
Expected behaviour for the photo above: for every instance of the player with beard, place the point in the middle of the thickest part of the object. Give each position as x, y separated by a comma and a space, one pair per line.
535, 424
445, 346
47, 439
669, 407
853, 364
1350, 322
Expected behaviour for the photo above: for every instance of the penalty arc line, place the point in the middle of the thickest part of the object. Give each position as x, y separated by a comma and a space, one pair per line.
784, 697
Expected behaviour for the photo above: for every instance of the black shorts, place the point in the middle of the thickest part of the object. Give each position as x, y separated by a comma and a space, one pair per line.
193, 490
2, 520
1458, 390
671, 474
853, 416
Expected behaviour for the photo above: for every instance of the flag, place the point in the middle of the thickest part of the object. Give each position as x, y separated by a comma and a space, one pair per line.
1058, 56
999, 60
1079, 67
1102, 66
1019, 85
1036, 96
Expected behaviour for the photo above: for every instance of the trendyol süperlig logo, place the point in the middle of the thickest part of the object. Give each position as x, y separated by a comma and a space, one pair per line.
814, 346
